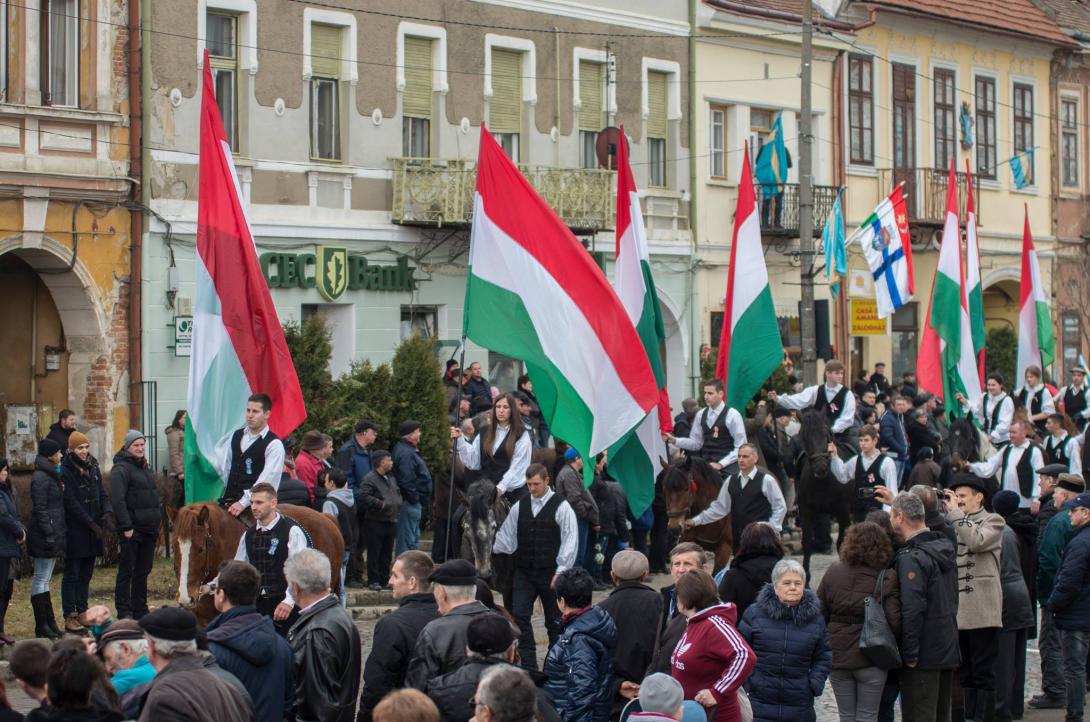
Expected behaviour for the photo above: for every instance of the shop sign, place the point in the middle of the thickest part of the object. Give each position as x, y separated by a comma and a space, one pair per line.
183, 335
332, 271
865, 321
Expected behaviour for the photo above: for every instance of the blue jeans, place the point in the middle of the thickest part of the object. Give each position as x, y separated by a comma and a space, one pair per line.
1075, 645
43, 572
408, 528
581, 554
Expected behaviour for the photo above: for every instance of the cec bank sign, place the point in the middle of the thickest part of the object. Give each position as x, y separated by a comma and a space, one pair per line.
332, 271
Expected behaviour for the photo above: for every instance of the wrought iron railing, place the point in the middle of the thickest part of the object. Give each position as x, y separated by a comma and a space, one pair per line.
439, 192
925, 192
779, 208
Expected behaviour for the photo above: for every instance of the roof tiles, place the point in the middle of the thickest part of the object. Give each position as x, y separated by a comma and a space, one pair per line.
1019, 17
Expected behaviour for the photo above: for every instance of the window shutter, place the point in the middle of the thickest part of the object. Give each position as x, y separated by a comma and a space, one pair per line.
656, 105
416, 99
505, 107
590, 96
325, 50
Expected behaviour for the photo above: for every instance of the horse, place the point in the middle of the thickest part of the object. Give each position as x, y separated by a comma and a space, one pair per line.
690, 485
819, 492
205, 536
483, 517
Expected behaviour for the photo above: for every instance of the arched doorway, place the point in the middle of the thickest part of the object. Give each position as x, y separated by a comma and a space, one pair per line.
1001, 304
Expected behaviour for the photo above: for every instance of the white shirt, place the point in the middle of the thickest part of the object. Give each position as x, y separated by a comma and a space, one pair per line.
297, 542
991, 467
806, 399
1002, 431
736, 427
1059, 397
515, 476
1071, 448
507, 538
721, 506
1047, 406
310, 606
844, 471
274, 461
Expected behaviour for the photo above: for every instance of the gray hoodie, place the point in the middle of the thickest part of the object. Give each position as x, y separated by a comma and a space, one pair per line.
344, 496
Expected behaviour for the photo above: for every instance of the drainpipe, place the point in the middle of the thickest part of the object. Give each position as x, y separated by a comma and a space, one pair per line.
556, 117
694, 294
136, 215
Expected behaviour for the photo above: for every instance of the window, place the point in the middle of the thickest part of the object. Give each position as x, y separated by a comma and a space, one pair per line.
1072, 335
340, 321
656, 127
505, 106
1069, 142
905, 337
985, 128
4, 30
591, 114
60, 43
419, 321
503, 371
717, 130
222, 43
1023, 125
945, 117
416, 98
861, 109
325, 102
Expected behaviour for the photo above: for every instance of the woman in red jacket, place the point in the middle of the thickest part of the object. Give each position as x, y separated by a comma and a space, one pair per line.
712, 660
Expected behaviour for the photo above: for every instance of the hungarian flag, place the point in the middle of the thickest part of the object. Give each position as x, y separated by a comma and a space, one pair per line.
634, 461
975, 293
886, 246
535, 294
238, 343
1035, 343
949, 317
750, 347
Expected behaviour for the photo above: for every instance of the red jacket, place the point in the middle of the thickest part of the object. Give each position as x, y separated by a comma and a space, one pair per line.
306, 470
712, 655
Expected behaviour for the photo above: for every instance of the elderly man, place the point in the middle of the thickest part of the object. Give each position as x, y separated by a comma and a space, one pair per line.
125, 652
505, 694
1043, 507
636, 609
685, 557
183, 690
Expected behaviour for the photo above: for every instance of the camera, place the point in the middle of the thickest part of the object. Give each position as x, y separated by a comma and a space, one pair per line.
865, 492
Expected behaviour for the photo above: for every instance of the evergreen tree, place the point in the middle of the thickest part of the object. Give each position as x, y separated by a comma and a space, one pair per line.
1001, 352
417, 393
311, 348
362, 393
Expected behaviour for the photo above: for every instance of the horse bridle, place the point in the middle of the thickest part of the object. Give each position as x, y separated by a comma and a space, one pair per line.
685, 512
207, 574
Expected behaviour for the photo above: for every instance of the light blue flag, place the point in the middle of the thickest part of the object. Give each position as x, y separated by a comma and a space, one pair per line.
771, 167
836, 252
1021, 163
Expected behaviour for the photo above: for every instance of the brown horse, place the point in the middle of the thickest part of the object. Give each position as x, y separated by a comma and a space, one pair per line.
690, 485
205, 536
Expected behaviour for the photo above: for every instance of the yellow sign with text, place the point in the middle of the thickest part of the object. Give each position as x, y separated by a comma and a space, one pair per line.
865, 321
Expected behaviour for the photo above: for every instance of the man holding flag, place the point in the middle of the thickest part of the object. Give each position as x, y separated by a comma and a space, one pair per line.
255, 455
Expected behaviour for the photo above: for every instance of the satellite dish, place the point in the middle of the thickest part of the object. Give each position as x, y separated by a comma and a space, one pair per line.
607, 146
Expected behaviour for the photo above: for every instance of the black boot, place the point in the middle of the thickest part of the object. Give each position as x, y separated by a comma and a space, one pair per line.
985, 705
51, 617
39, 603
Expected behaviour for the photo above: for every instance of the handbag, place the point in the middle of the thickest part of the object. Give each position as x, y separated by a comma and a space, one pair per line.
876, 639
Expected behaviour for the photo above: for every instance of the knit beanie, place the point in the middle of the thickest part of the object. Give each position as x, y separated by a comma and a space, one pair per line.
131, 437
47, 447
76, 439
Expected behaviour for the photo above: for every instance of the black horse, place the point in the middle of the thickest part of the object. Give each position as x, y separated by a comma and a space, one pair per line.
819, 492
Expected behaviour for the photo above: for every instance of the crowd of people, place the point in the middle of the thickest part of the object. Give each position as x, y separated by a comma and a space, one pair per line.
950, 565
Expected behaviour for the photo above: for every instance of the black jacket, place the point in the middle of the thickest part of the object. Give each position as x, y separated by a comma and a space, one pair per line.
635, 609
1017, 608
441, 646
60, 435
134, 495
453, 691
1024, 525
380, 496
11, 525
292, 491
612, 508
743, 581
246, 644
47, 528
411, 473
49, 713
1045, 512
927, 574
1070, 598
666, 643
391, 647
326, 645
85, 504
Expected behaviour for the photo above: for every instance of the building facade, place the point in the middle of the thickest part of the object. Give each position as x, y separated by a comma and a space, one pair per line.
355, 129
66, 189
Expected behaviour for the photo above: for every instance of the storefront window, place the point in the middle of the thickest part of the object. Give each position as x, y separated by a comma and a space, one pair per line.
905, 339
418, 321
503, 371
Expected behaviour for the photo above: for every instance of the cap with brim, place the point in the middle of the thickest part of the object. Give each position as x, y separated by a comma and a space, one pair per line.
455, 573
1082, 501
1071, 482
629, 564
121, 630
1078, 370
407, 427
970, 480
170, 623
1053, 470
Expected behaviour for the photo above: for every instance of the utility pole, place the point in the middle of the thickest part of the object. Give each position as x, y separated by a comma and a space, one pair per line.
806, 204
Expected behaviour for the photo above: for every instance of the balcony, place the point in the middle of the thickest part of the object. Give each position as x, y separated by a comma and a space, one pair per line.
925, 193
780, 211
439, 192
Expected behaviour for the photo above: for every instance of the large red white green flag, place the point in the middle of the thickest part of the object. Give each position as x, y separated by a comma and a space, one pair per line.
974, 292
1035, 342
535, 294
238, 342
634, 460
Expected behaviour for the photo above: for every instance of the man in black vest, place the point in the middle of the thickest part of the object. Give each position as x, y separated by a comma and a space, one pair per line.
1016, 466
749, 495
717, 431
543, 534
267, 545
1061, 447
869, 469
254, 456
832, 398
1073, 398
1035, 398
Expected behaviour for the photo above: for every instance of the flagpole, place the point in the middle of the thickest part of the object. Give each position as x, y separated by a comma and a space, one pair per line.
454, 451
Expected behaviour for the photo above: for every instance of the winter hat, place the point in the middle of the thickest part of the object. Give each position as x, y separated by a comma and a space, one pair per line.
455, 573
1071, 482
76, 439
313, 441
571, 453
407, 427
170, 623
1006, 502
629, 565
489, 634
660, 694
131, 436
47, 447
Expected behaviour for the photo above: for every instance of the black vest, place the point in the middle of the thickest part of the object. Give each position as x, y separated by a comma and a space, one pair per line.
1074, 405
867, 477
718, 441
538, 536
1056, 453
1024, 469
267, 551
832, 408
246, 466
494, 466
749, 504
991, 420
346, 518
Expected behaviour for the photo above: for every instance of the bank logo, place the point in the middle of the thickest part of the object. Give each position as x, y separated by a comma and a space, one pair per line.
332, 272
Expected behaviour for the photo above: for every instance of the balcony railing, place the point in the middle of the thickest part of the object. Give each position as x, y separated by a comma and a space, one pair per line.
780, 210
439, 192
925, 193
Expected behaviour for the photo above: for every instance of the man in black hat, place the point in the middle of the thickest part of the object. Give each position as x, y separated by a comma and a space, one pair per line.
490, 641
1073, 398
1061, 447
254, 455
1044, 507
183, 690
441, 646
414, 480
